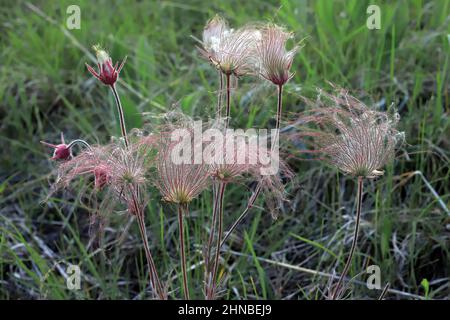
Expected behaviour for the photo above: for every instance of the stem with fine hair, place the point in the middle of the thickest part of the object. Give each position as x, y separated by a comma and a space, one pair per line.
182, 252
219, 95
355, 238
123, 129
228, 84
279, 107
257, 191
154, 279
219, 208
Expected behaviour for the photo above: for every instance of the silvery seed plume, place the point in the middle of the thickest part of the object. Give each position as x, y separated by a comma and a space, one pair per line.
356, 139
231, 51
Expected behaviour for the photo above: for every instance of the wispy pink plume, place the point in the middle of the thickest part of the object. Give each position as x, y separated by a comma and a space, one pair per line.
274, 60
351, 136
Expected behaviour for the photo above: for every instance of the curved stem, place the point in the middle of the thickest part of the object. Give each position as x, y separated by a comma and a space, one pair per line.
182, 252
355, 238
78, 141
123, 129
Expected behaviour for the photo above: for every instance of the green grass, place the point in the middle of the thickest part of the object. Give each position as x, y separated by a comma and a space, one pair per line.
45, 89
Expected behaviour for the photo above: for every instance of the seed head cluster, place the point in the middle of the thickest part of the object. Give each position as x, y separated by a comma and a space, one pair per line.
251, 49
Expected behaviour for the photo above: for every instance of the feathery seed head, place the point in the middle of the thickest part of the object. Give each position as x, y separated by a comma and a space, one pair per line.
246, 159
230, 51
116, 170
179, 181
274, 60
356, 139
215, 30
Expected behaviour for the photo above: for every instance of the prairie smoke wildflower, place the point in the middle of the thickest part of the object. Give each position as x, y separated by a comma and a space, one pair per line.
231, 51
357, 140
101, 176
215, 30
240, 158
271, 185
121, 173
63, 151
107, 73
354, 138
179, 184
243, 156
274, 61
111, 166
180, 178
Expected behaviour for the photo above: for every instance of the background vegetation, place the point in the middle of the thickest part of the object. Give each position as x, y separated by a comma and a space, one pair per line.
45, 89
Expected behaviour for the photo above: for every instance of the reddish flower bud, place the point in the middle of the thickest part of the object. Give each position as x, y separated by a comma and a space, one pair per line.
62, 150
108, 74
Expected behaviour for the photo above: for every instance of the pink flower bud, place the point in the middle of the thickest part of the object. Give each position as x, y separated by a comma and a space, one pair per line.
62, 150
108, 74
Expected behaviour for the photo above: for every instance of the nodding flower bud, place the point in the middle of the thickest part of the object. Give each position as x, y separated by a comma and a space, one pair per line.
62, 150
108, 74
